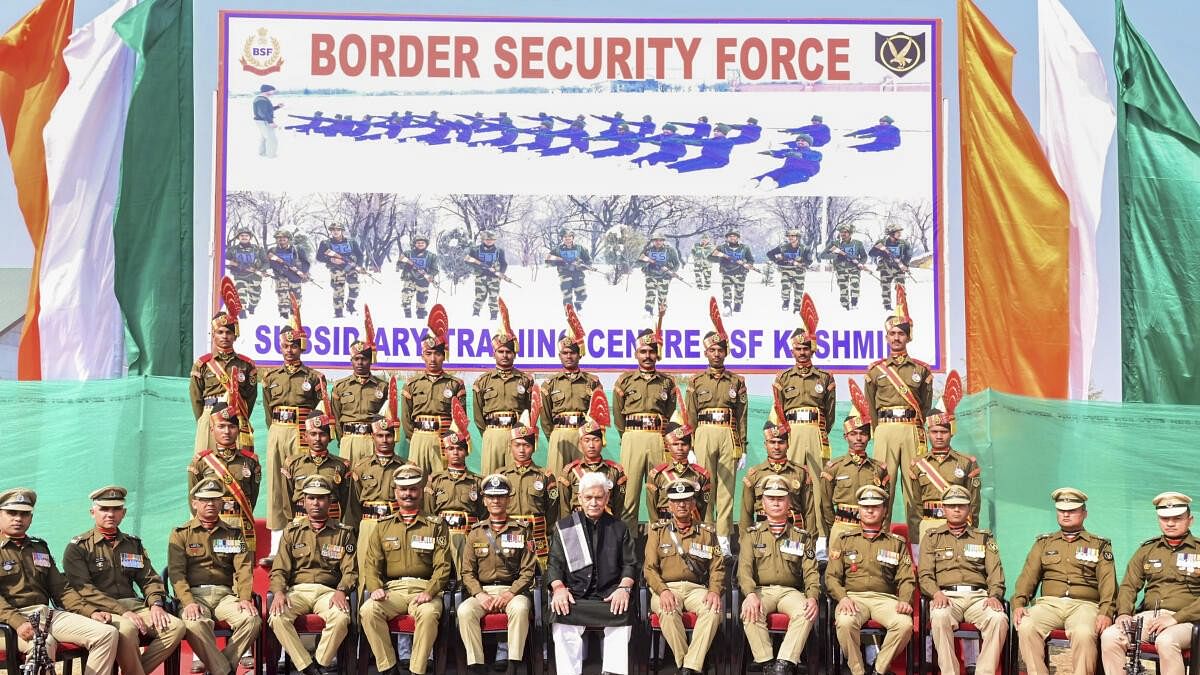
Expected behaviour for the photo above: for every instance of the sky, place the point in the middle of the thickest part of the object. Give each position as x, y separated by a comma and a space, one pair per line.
1165, 24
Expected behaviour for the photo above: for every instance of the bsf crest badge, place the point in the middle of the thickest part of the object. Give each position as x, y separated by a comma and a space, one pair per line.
261, 54
900, 53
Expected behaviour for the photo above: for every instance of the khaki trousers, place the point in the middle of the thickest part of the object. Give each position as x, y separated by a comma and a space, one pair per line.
425, 450
204, 437
353, 447
691, 599
562, 449
99, 639
366, 526
787, 601
717, 453
640, 451
1078, 617
495, 450
304, 599
129, 655
282, 445
470, 612
808, 446
376, 613
897, 444
882, 608
993, 627
1170, 645
221, 603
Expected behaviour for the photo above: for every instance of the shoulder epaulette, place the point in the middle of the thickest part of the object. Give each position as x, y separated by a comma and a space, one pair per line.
658, 525
615, 465
79, 538
480, 524
708, 527
660, 468
701, 470
1046, 535
524, 524
294, 525
343, 526
876, 363
390, 516
919, 362
247, 359
249, 453
1152, 540
571, 465
433, 520
204, 359
893, 535
986, 533
757, 527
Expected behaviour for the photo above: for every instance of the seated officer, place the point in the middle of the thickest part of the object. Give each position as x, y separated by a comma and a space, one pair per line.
29, 579
103, 565
212, 571
685, 571
870, 576
408, 565
313, 571
777, 572
960, 573
498, 563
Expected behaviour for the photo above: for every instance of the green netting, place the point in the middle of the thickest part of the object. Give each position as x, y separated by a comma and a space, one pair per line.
66, 439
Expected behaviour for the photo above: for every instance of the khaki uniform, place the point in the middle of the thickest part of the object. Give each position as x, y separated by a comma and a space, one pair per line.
1079, 582
565, 400
425, 414
498, 399
782, 571
897, 428
333, 468
231, 466
206, 386
641, 405
931, 475
104, 573
495, 561
354, 401
690, 565
568, 485
454, 497
405, 559
840, 480
804, 509
374, 493
663, 475
534, 501
716, 403
310, 566
29, 578
809, 400
289, 394
214, 569
967, 569
876, 573
1170, 576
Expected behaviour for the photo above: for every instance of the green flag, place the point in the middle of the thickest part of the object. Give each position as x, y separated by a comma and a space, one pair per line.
1158, 150
152, 228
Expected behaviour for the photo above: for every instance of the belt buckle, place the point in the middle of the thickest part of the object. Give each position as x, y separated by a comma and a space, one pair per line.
504, 419
380, 510
285, 415
718, 416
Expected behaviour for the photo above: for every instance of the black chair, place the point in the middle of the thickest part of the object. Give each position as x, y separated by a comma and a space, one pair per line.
965, 630
405, 624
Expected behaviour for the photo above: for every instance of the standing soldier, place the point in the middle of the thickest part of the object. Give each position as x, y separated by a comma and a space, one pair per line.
1079, 588
591, 446
314, 572
500, 396
427, 405
214, 373
452, 494
891, 255
870, 575
534, 489
566, 396
800, 482
899, 390
931, 474
344, 259
31, 580
777, 573
793, 261
289, 269
1165, 568
685, 571
659, 265
212, 571
716, 400
246, 261
808, 396
103, 565
408, 565
960, 573
735, 261
489, 263
571, 260
290, 393
419, 269
318, 462
678, 437
358, 397
372, 476
701, 265
264, 119
497, 573
236, 467
843, 477
849, 257
643, 401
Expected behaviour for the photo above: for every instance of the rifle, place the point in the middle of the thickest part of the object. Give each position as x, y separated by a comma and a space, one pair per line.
1133, 664
572, 263
673, 274
274, 258
349, 266
721, 254
413, 266
883, 249
38, 661
495, 273
837, 250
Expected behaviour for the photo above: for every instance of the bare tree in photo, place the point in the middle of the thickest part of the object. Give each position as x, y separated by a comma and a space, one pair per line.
484, 212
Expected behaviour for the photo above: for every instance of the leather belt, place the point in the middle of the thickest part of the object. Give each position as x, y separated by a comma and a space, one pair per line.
431, 422
458, 521
963, 588
356, 428
375, 509
933, 510
803, 415
210, 401
504, 419
845, 513
644, 422
288, 414
571, 420
719, 416
897, 413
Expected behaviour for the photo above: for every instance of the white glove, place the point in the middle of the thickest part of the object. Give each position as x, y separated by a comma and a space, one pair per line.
822, 554
691, 456
741, 463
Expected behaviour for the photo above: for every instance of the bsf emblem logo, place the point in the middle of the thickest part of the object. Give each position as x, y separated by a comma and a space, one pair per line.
261, 54
900, 53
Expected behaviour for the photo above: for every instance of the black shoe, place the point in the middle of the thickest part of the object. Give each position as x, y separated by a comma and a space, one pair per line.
737, 307
578, 306
512, 667
785, 305
494, 315
266, 561
337, 313
421, 313
350, 306
475, 312
766, 667
687, 671
477, 669
407, 313
312, 669
783, 667
242, 314
251, 308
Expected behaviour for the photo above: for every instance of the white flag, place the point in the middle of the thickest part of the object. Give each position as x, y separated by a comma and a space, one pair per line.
1077, 122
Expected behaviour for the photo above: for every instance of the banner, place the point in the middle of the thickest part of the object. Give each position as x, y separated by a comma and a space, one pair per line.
609, 159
